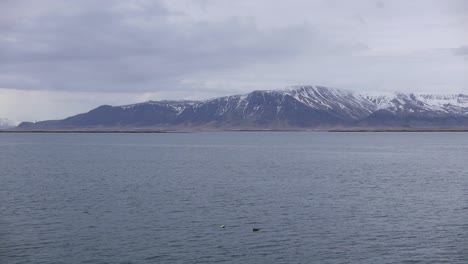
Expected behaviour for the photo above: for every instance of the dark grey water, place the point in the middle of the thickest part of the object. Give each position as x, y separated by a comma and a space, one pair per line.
161, 198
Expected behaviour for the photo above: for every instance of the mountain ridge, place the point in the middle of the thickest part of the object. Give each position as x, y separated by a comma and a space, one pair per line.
298, 107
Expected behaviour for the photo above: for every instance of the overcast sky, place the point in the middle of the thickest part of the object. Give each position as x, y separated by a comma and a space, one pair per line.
62, 57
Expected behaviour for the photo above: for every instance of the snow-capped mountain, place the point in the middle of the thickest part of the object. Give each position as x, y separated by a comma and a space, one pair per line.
422, 103
292, 108
6, 123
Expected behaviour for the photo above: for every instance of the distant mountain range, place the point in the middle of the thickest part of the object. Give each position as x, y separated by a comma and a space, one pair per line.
296, 108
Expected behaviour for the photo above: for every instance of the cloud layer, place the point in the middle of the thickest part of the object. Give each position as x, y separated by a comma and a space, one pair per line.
137, 46
462, 51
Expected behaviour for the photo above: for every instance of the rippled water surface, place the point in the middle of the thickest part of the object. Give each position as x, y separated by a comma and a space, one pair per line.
161, 198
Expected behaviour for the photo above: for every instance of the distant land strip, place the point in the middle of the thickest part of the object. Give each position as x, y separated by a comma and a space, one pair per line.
398, 130
234, 130
88, 131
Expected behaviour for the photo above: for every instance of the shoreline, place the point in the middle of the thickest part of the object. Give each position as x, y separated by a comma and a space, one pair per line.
396, 130
228, 130
86, 131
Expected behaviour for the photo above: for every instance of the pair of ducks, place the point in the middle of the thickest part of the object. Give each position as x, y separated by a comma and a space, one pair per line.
253, 229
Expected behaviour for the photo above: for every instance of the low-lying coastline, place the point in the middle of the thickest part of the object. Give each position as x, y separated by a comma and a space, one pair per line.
227, 130
399, 130
88, 131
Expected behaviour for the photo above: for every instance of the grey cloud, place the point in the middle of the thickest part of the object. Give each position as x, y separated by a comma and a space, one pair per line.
105, 47
380, 4
360, 19
461, 51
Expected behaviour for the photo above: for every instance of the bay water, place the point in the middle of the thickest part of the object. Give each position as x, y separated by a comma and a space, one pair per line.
316, 197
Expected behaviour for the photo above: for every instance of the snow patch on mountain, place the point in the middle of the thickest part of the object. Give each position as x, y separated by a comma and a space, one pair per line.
324, 98
177, 106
